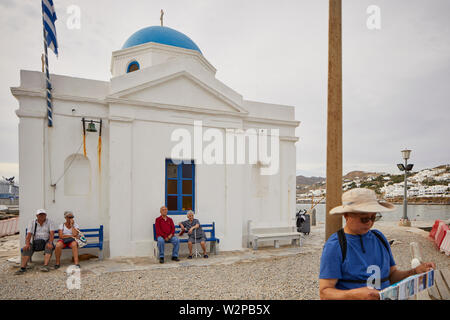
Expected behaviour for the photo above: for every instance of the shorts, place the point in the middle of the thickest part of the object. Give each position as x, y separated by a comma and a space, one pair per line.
29, 252
192, 239
67, 244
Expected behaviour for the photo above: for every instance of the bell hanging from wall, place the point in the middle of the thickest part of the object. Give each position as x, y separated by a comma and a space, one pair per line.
91, 127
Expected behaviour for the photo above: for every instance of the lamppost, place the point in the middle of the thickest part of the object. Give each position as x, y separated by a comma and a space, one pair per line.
406, 167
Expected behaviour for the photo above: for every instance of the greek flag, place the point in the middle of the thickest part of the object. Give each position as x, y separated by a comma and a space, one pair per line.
49, 17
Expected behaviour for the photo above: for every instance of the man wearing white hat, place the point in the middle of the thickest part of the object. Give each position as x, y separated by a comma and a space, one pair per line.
351, 255
40, 235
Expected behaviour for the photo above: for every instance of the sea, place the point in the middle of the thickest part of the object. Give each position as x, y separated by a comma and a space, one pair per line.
415, 212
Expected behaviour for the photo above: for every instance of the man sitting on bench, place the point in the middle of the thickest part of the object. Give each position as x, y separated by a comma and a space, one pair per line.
39, 237
195, 231
165, 232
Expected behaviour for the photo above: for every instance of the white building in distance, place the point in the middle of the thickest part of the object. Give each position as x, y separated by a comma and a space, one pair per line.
161, 84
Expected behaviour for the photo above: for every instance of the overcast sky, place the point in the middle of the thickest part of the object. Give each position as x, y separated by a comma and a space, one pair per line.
396, 80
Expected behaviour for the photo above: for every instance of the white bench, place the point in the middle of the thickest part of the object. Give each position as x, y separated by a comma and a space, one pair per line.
274, 234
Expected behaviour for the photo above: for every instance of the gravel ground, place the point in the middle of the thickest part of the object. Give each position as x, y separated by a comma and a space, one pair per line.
289, 277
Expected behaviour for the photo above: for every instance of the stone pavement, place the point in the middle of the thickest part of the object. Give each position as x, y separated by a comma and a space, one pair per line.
310, 243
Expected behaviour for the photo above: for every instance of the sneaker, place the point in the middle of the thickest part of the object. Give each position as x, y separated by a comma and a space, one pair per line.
57, 266
161, 260
21, 271
77, 265
205, 256
175, 259
45, 269
189, 257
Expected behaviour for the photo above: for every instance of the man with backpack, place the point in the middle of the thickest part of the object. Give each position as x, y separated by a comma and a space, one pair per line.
356, 254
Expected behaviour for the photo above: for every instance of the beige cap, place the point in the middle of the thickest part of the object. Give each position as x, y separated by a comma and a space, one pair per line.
361, 200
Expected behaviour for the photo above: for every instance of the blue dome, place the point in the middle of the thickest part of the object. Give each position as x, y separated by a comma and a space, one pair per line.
163, 35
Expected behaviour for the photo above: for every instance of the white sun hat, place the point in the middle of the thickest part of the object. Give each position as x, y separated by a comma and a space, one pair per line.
361, 200
39, 211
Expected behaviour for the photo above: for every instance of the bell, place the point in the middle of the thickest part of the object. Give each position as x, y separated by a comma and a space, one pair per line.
91, 127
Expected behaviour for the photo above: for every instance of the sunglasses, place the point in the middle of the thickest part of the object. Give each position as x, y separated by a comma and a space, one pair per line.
367, 219
70, 217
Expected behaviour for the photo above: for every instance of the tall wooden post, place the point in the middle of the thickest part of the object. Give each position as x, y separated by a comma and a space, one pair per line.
334, 120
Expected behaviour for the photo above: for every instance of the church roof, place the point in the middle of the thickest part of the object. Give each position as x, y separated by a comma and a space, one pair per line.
163, 35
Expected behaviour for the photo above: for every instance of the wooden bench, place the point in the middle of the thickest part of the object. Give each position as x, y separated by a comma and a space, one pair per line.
207, 228
274, 234
88, 233
441, 288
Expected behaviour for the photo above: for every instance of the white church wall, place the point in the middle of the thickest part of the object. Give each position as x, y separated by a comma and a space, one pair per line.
270, 199
140, 112
120, 187
64, 140
217, 193
77, 181
31, 168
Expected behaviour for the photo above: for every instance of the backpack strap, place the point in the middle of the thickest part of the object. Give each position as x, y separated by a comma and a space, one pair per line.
343, 243
34, 232
386, 245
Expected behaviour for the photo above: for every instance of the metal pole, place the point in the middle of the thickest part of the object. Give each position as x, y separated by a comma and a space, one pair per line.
313, 216
405, 197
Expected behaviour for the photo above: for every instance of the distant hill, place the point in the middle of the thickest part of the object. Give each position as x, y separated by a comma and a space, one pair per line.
309, 181
316, 182
383, 182
361, 174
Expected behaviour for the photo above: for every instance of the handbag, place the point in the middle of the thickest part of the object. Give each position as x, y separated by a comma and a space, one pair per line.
39, 244
67, 240
80, 239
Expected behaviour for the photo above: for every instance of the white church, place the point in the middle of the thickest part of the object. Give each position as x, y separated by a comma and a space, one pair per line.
162, 90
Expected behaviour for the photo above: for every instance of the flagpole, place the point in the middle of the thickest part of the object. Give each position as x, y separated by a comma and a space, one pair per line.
47, 77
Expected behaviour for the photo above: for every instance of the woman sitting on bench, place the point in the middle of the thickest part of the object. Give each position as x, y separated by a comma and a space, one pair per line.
196, 234
68, 231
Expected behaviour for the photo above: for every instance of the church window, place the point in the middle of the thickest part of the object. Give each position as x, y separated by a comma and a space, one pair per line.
133, 66
180, 186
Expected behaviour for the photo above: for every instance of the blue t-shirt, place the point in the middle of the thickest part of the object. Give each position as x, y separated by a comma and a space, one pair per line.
355, 266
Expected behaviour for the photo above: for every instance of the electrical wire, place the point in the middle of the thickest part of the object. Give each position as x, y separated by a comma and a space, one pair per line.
68, 167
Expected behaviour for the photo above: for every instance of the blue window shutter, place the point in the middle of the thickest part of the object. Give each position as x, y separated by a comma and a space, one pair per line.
180, 192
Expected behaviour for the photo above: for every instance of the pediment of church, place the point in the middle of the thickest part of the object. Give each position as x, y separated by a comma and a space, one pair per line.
181, 89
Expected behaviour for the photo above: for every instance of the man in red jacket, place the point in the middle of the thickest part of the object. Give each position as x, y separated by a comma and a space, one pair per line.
165, 232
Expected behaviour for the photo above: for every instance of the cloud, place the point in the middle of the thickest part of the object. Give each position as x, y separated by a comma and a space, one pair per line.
9, 170
395, 80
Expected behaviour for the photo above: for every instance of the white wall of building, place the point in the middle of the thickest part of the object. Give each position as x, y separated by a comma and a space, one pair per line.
140, 111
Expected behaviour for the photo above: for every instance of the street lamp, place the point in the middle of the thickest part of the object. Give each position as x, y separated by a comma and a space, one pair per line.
406, 167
